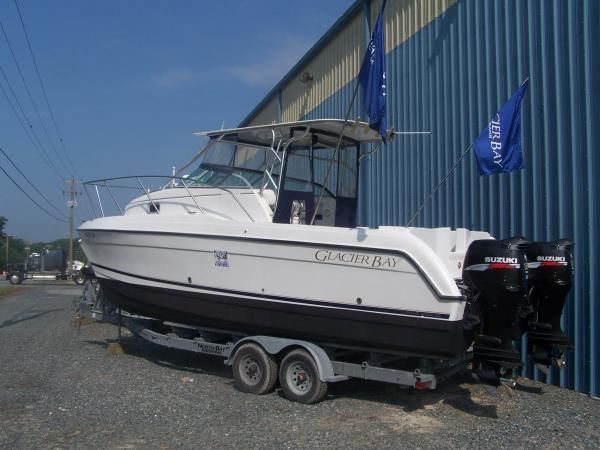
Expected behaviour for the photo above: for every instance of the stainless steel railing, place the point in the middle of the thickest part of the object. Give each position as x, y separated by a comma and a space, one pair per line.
111, 184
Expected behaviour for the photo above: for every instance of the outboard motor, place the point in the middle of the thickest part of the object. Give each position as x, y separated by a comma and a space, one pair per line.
550, 266
495, 273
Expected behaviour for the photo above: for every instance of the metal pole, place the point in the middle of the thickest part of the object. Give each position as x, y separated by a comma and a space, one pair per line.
99, 200
120, 322
415, 215
70, 257
70, 204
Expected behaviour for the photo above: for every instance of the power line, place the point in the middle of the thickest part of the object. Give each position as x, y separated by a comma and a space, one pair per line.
33, 132
91, 214
37, 71
35, 108
29, 197
16, 114
30, 183
36, 145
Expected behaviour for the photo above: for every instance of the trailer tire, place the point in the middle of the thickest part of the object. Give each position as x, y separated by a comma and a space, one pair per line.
79, 278
299, 378
254, 371
15, 278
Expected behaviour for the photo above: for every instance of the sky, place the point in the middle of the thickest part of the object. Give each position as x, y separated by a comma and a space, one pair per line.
129, 82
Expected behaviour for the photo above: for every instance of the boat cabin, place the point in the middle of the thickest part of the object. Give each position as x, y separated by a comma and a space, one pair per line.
302, 173
307, 172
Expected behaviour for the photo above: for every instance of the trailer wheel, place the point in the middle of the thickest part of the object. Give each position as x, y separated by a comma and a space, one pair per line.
254, 371
15, 278
299, 378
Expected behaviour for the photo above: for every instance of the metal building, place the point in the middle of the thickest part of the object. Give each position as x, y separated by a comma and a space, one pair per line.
450, 65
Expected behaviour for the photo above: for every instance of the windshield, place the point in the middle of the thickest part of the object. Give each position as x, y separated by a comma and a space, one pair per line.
230, 164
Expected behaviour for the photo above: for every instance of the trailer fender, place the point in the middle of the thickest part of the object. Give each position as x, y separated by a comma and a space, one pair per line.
273, 346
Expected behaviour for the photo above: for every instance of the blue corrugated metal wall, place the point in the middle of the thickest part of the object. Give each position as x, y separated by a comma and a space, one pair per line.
450, 78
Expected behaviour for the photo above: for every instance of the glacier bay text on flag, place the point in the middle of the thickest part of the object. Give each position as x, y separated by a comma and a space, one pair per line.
372, 78
498, 147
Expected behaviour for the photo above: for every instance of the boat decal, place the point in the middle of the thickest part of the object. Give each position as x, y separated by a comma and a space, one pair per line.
375, 309
492, 266
359, 259
221, 259
548, 262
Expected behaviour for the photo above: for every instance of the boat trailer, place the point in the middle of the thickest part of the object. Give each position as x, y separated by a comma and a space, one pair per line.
302, 368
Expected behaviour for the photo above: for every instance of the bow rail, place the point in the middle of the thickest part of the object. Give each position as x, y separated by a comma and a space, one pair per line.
141, 183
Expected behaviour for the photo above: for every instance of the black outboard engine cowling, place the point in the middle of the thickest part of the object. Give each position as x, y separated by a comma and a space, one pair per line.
550, 266
495, 273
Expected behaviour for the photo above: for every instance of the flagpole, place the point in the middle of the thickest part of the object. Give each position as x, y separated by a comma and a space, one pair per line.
439, 185
358, 82
491, 138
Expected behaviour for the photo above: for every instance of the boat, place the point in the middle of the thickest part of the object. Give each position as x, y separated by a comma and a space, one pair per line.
257, 234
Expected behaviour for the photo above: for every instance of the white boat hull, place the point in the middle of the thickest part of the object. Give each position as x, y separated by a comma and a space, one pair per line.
341, 287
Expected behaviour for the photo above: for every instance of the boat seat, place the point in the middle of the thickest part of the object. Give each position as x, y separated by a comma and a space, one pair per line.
286, 199
270, 197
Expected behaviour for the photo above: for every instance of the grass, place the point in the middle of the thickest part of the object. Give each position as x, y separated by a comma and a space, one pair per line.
5, 291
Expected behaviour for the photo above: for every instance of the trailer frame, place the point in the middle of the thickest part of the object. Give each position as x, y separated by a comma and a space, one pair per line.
331, 363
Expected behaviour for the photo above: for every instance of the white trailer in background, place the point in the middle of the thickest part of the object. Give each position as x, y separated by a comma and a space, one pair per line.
48, 265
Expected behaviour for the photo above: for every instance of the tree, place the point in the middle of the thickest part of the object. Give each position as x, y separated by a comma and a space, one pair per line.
2, 244
16, 251
2, 223
60, 244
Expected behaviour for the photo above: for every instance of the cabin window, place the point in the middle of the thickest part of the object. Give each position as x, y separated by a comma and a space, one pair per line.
298, 174
153, 208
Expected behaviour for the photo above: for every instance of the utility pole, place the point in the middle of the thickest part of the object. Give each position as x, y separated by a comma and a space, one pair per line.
71, 203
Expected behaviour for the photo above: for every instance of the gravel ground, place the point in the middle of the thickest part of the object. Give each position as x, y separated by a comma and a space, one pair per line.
59, 389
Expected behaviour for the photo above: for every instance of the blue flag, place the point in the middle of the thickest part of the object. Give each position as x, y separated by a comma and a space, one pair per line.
372, 78
498, 147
